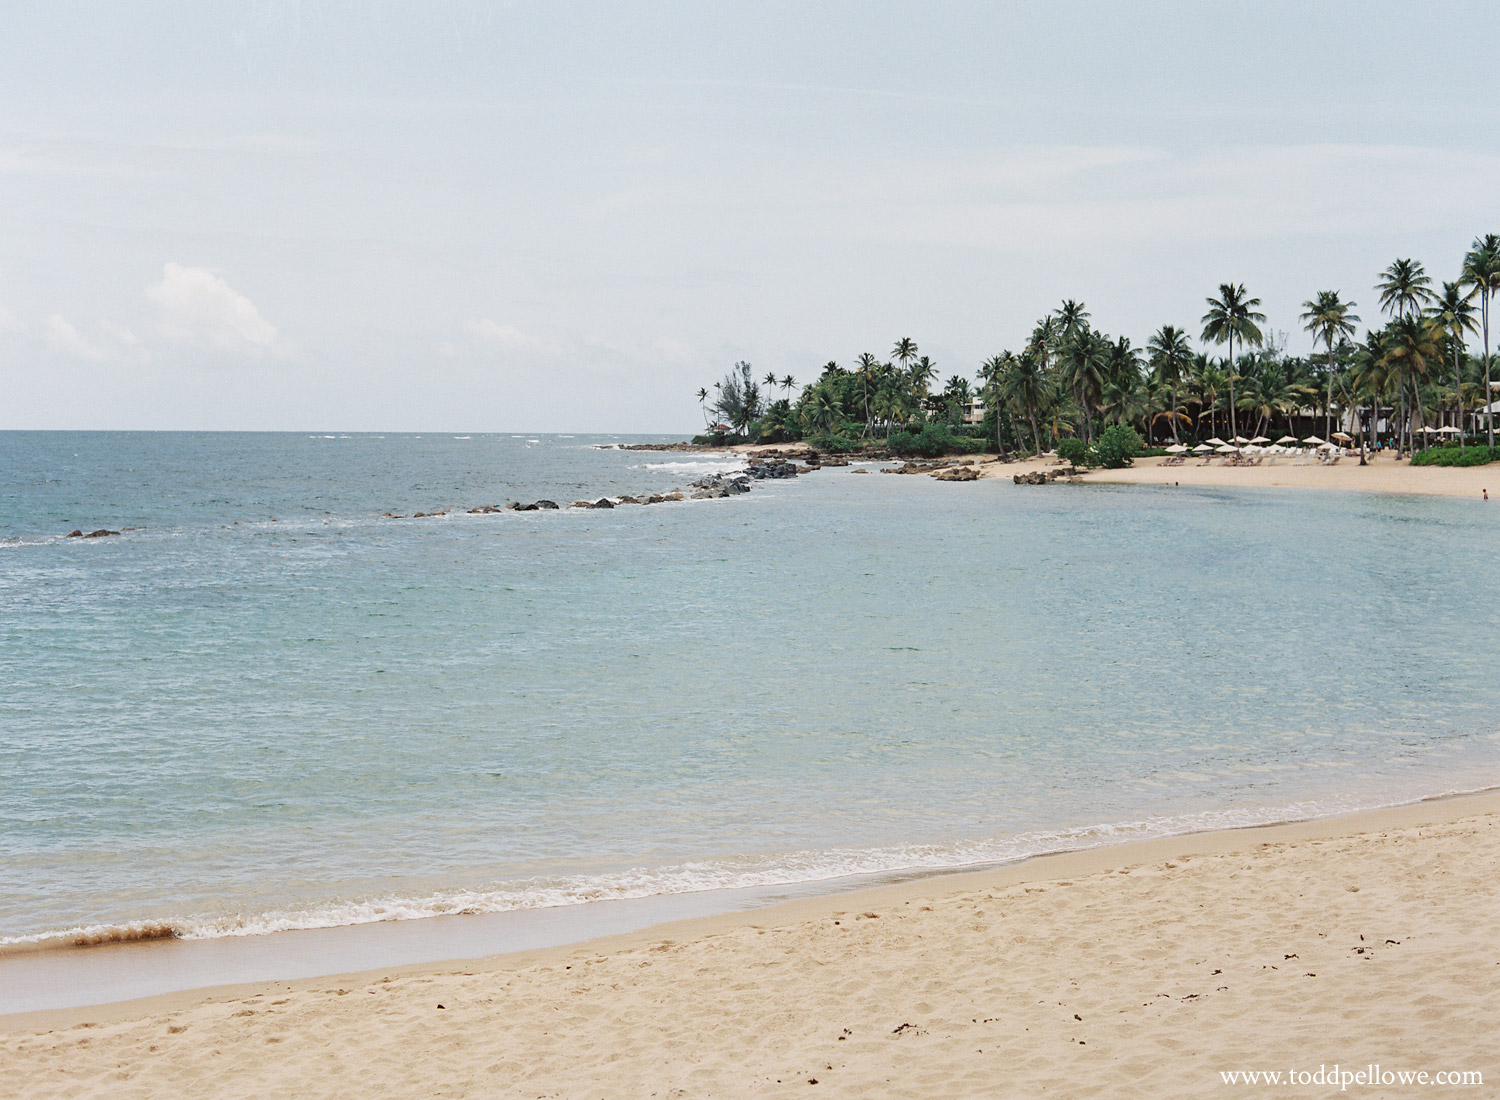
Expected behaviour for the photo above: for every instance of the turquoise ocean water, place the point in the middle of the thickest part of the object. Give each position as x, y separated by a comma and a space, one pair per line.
265, 706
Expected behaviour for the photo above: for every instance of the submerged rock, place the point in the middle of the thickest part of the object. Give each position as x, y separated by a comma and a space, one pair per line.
546, 505
103, 532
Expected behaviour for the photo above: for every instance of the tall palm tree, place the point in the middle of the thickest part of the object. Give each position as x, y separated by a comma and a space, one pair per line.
1330, 319
1170, 358
702, 397
869, 366
1482, 272
1453, 313
1411, 347
788, 383
922, 372
1085, 361
1232, 316
904, 351
1371, 375
1404, 289
1024, 386
1071, 316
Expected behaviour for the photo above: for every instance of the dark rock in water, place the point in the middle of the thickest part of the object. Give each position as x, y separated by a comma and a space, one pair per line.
484, 510
75, 534
729, 483
519, 507
772, 469
655, 498
832, 460
629, 500
99, 534
604, 502
515, 506
675, 494
1044, 477
715, 493
582, 504
546, 505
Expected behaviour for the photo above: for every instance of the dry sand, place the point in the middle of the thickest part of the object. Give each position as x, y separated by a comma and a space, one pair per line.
1142, 970
1384, 474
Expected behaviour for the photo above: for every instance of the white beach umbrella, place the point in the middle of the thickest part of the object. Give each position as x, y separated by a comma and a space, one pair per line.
1241, 440
1328, 446
1451, 430
1216, 442
1287, 439
1175, 449
1260, 439
1344, 436
1200, 448
1226, 449
1315, 441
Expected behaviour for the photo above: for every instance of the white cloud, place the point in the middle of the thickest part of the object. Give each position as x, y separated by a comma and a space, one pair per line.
9, 322
119, 345
199, 307
509, 337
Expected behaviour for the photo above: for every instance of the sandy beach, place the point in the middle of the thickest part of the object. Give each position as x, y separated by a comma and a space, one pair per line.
1383, 474
1140, 970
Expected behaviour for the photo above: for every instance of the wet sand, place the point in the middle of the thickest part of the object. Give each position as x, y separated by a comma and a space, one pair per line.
1138, 970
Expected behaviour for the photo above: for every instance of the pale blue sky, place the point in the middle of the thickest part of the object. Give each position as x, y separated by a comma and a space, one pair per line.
569, 216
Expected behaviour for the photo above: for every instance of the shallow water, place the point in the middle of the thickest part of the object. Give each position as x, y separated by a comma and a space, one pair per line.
266, 706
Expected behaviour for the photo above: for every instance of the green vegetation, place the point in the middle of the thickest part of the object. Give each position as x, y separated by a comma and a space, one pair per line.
1118, 446
1075, 452
932, 440
1454, 456
1070, 384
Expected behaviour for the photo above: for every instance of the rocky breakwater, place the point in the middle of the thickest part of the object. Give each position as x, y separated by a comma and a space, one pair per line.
1045, 477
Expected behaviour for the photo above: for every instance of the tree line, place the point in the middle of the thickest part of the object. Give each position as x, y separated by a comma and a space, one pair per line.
1071, 380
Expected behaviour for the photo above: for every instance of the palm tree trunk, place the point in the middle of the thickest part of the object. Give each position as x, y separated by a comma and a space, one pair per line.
1036, 435
1174, 414
1233, 430
1489, 416
1458, 396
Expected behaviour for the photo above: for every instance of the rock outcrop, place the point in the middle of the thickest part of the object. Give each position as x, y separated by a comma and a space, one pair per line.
956, 473
1044, 477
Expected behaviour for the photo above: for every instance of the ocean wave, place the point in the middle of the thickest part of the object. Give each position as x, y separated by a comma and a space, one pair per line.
803, 868
692, 467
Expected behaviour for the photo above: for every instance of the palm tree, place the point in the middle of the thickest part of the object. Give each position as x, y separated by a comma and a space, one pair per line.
1024, 386
702, 397
1170, 357
1453, 314
1329, 318
1410, 347
1372, 375
923, 371
1404, 289
1071, 316
788, 383
1482, 272
868, 366
770, 381
1085, 358
904, 351
1232, 315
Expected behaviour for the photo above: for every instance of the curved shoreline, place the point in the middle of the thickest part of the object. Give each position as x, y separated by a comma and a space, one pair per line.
714, 912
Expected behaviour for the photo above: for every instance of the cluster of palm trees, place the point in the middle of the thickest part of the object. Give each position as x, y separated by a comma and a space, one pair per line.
1070, 379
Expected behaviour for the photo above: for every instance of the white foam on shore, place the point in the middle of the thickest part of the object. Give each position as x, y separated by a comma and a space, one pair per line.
790, 869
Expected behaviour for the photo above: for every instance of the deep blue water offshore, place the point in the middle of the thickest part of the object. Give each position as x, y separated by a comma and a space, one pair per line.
266, 706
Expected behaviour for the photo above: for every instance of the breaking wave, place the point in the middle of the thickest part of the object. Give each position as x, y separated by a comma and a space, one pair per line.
791, 869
